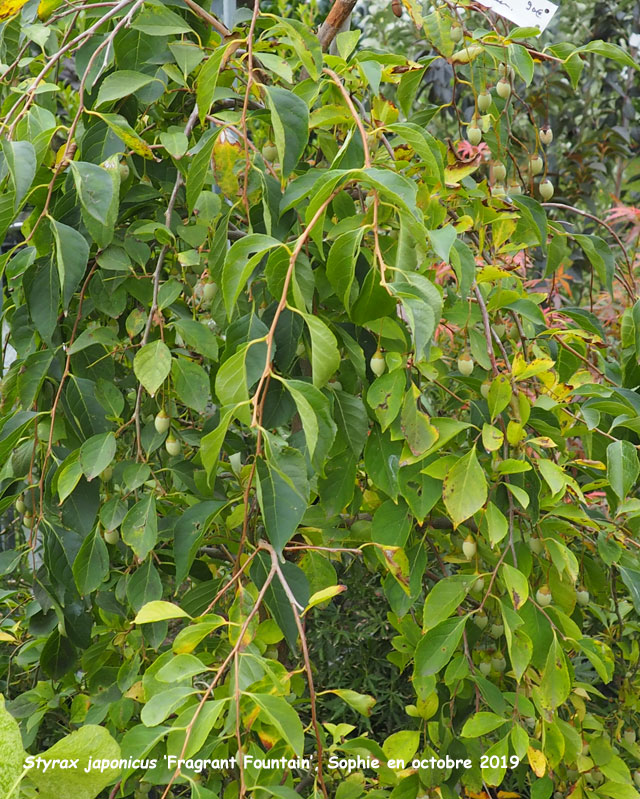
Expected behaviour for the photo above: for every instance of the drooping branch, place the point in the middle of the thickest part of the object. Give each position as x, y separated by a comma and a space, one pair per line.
338, 15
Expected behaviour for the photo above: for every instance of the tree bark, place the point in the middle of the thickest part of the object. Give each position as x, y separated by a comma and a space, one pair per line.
338, 15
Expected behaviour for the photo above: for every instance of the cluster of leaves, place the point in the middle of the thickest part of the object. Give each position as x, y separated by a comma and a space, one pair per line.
264, 322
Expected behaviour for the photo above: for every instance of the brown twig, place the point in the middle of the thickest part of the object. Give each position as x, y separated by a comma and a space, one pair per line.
336, 18
275, 565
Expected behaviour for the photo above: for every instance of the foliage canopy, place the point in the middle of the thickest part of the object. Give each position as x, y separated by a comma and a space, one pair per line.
279, 320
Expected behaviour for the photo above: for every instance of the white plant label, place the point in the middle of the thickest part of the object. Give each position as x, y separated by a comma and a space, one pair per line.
525, 13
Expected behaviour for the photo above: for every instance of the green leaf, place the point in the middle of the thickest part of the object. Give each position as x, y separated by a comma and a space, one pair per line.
72, 256
480, 724
283, 717
96, 453
623, 467
325, 356
351, 418
522, 62
20, 157
11, 750
231, 381
341, 263
315, 416
361, 703
152, 365
189, 532
555, 685
181, 667
290, 120
97, 189
282, 494
199, 168
91, 565
499, 395
465, 488
385, 396
437, 646
631, 578
191, 383
609, 50
199, 337
88, 744
445, 597
164, 703
140, 526
159, 610
208, 80
121, 84
159, 21
498, 753
211, 444
517, 585
242, 258
497, 524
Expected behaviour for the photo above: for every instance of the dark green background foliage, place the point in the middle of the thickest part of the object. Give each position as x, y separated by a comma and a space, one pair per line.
319, 419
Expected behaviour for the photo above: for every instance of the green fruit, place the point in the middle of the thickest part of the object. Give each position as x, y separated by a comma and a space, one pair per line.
478, 586
499, 663
172, 445
503, 88
499, 172
123, 168
469, 546
535, 545
536, 164
111, 536
269, 152
485, 667
456, 33
162, 422
484, 388
209, 291
506, 71
514, 188
481, 620
474, 134
543, 596
20, 506
484, 101
545, 187
498, 190
546, 135
496, 631
629, 735
106, 474
465, 364
235, 461
582, 597
377, 363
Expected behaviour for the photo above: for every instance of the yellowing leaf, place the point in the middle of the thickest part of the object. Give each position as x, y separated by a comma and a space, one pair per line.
467, 54
453, 175
521, 370
124, 131
225, 157
47, 7
10, 7
324, 595
159, 611
537, 761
